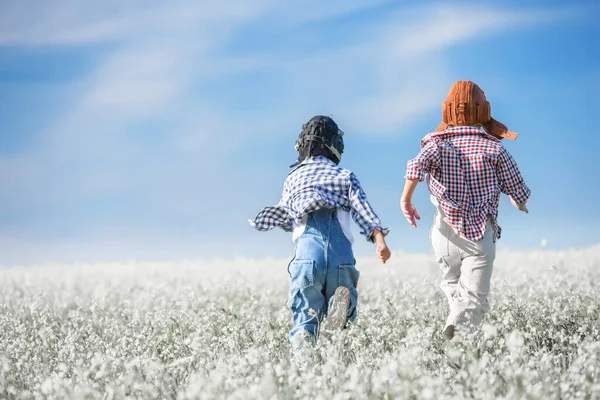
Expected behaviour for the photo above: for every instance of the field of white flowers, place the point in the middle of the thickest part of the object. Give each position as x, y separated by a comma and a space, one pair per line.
204, 330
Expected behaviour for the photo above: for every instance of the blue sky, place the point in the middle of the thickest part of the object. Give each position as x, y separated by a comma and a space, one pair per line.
154, 130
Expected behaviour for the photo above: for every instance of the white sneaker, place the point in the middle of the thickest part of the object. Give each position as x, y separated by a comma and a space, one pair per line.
449, 332
337, 315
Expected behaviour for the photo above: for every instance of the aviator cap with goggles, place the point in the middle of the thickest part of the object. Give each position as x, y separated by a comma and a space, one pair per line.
320, 136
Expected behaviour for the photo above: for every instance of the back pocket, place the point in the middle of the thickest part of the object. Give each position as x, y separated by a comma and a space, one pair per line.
302, 276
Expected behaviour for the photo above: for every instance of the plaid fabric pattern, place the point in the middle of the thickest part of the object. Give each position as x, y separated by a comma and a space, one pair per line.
466, 169
319, 183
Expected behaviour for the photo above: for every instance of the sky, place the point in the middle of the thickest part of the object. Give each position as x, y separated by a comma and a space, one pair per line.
154, 130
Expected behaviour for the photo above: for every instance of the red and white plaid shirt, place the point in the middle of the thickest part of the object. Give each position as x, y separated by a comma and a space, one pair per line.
466, 170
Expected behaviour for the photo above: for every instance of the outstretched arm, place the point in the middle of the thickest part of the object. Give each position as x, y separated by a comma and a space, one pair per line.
427, 160
408, 209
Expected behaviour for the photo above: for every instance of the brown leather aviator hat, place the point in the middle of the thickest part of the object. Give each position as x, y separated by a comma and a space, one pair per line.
466, 105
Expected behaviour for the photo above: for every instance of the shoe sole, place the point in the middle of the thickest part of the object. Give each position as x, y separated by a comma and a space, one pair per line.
449, 332
338, 315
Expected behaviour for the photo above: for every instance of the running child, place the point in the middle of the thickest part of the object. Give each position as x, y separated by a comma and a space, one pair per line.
318, 199
466, 167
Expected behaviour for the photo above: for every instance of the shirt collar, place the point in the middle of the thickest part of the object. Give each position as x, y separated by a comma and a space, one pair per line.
317, 160
463, 130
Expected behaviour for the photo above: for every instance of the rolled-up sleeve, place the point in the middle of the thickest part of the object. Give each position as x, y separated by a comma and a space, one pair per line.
510, 178
362, 212
427, 160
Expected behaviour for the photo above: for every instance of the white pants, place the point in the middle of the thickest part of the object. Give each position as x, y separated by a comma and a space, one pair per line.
467, 272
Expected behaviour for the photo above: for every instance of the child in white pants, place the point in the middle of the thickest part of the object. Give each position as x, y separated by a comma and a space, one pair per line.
466, 168
467, 271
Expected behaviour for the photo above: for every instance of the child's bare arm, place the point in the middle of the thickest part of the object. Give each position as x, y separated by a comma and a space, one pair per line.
408, 209
427, 160
383, 252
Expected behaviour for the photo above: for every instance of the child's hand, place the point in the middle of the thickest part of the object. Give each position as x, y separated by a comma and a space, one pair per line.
383, 252
519, 206
410, 212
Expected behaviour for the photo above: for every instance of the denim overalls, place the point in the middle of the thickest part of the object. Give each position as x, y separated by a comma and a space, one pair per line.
323, 260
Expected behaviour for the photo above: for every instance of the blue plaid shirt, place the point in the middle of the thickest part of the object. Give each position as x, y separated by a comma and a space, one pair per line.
319, 183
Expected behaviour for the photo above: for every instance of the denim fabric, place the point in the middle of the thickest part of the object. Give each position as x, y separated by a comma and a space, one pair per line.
322, 262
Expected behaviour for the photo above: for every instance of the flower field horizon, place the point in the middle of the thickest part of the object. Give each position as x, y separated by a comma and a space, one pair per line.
219, 329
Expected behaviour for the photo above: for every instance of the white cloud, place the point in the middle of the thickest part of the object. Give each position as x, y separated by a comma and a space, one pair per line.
394, 110
156, 60
409, 58
136, 80
161, 51
441, 26
71, 22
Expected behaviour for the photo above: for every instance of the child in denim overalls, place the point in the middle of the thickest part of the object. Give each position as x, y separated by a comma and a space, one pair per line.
318, 199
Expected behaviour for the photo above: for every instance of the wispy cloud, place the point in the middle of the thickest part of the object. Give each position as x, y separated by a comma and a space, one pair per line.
374, 82
69, 22
179, 64
442, 26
